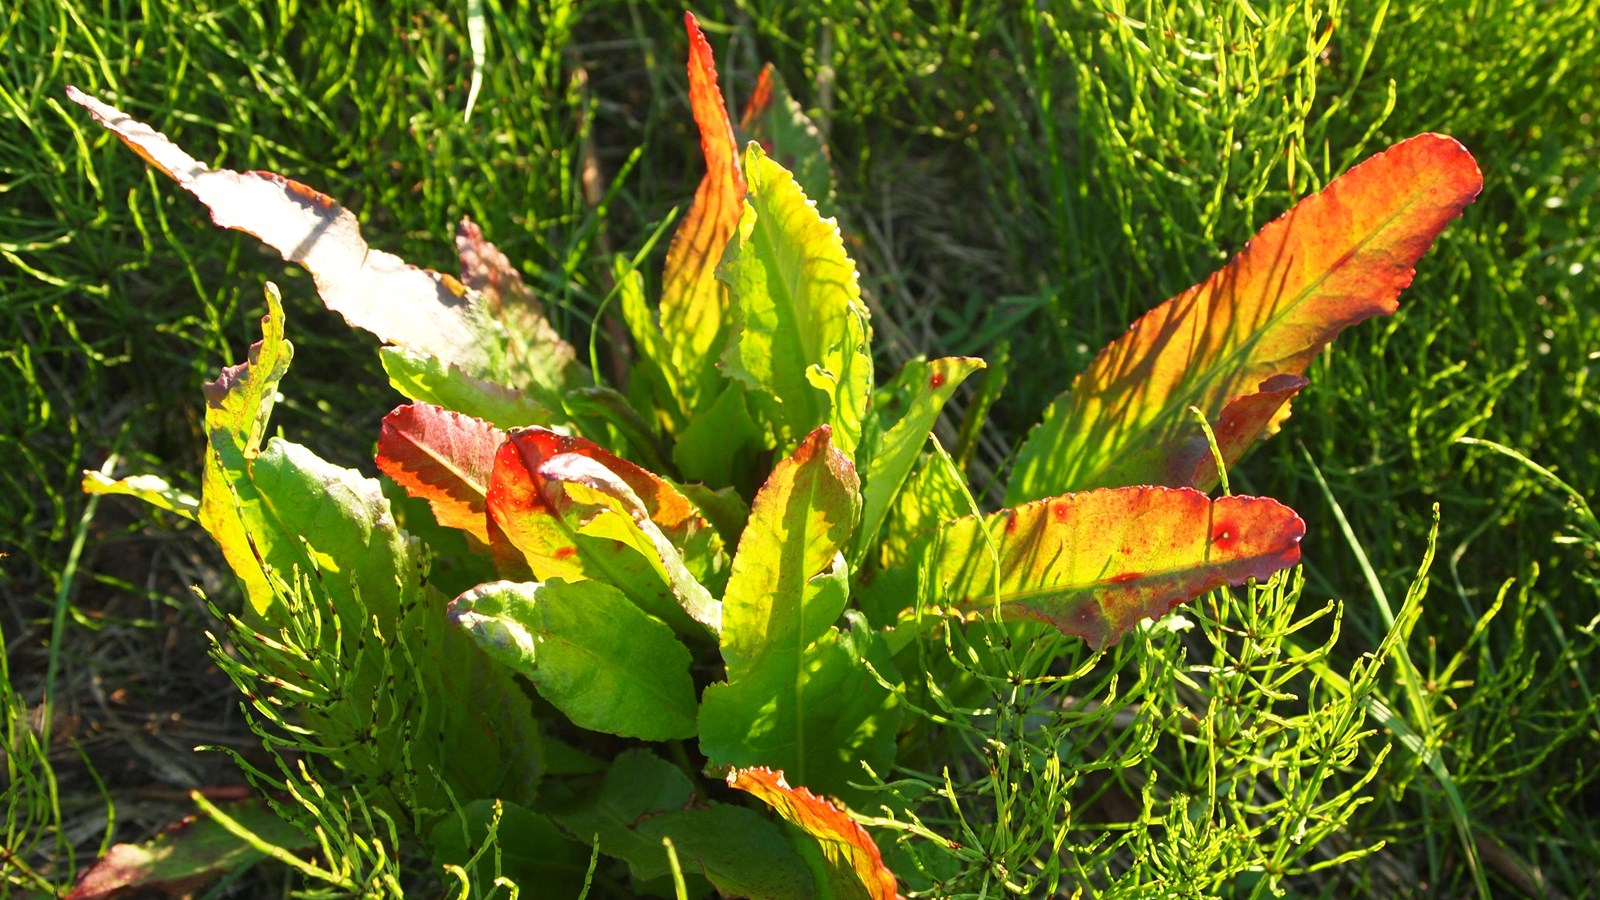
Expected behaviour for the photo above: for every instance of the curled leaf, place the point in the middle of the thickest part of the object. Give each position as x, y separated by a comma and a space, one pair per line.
562, 507
856, 866
373, 290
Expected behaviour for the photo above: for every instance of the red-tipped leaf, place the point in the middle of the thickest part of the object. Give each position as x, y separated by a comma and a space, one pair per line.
563, 507
443, 457
1094, 564
694, 306
1224, 345
856, 866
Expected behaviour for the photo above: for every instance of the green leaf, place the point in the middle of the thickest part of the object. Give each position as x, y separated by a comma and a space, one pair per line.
494, 838
590, 651
1094, 564
1335, 259
562, 507
238, 405
800, 343
431, 313
819, 720
741, 853
721, 444
644, 799
152, 489
427, 379
933, 495
332, 520
774, 120
800, 521
891, 456
638, 785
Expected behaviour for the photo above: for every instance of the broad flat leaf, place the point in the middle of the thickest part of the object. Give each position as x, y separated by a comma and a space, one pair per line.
338, 521
800, 343
694, 307
152, 489
426, 311
187, 854
639, 784
820, 719
537, 350
739, 851
935, 493
1094, 564
895, 451
238, 405
430, 380
800, 521
1335, 259
562, 507
443, 457
590, 651
721, 443
645, 798
774, 120
724, 508
529, 849
854, 858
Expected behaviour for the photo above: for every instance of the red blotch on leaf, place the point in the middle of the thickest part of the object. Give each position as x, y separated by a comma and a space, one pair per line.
937, 381
1224, 535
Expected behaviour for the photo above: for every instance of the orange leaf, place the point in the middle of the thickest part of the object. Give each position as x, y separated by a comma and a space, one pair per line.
563, 507
443, 457
857, 866
694, 305
1337, 258
1094, 564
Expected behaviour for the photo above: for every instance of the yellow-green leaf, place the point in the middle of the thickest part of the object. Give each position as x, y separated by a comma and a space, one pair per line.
801, 340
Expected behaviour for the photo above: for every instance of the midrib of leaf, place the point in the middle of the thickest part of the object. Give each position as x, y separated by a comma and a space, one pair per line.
1190, 389
446, 463
799, 637
792, 264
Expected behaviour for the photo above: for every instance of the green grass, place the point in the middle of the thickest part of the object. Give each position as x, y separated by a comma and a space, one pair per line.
1036, 177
